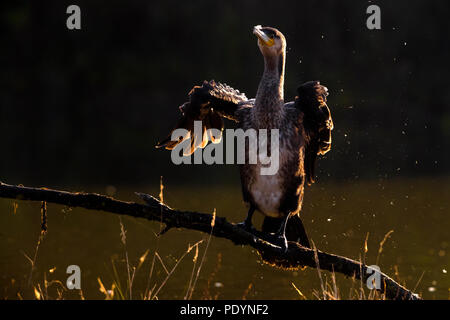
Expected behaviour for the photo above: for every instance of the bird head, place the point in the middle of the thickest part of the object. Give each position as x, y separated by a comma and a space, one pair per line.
271, 42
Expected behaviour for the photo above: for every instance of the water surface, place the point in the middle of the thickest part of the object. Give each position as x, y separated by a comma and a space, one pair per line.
338, 218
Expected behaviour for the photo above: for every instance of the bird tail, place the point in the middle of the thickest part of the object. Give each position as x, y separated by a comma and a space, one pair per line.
295, 231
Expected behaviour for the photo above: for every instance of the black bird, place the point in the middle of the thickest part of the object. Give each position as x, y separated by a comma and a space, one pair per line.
304, 125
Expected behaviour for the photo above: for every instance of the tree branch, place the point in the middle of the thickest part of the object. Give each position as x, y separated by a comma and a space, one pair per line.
153, 210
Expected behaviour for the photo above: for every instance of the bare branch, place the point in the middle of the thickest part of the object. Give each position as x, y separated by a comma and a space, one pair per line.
295, 257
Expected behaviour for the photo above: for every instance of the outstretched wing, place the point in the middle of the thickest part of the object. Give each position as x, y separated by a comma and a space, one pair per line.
317, 121
208, 103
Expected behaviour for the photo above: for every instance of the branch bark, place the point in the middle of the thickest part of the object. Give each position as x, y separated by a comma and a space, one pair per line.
153, 210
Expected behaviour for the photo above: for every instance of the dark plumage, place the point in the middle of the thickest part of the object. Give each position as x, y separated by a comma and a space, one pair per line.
305, 132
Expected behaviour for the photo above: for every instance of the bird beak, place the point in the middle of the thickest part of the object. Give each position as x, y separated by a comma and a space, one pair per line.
263, 38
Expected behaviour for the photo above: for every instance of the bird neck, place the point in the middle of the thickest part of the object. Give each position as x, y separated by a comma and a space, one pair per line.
270, 94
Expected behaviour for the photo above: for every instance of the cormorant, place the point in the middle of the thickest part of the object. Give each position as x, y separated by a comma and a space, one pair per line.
304, 125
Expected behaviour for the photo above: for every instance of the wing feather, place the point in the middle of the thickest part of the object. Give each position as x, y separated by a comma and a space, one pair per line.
208, 103
317, 121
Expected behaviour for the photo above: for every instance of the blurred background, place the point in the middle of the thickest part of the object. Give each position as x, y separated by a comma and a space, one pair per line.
83, 109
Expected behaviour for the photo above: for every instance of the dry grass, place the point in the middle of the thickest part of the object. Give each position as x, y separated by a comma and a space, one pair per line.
329, 288
117, 290
153, 288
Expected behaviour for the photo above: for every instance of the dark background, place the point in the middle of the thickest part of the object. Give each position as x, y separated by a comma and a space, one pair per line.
87, 106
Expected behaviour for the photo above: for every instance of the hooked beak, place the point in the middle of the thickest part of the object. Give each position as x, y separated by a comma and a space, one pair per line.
263, 38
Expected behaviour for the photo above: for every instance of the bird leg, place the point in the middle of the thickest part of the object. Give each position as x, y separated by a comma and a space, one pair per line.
247, 223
